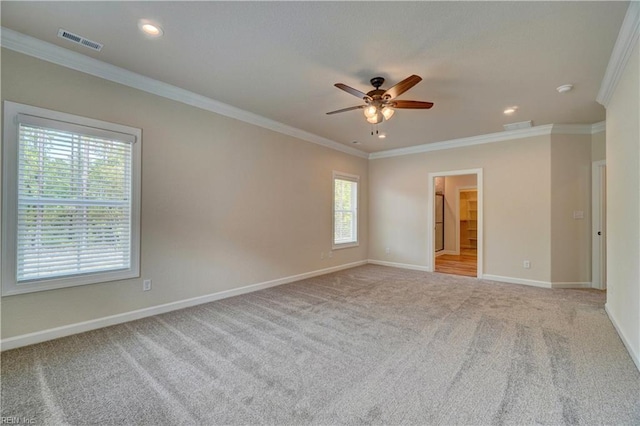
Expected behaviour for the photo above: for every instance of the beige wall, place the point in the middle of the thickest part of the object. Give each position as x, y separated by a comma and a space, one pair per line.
623, 205
570, 192
216, 214
225, 204
517, 205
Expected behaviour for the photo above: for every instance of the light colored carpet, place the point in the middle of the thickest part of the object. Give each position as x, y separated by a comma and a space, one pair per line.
369, 345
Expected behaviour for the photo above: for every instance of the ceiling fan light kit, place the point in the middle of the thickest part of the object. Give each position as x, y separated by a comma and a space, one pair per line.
375, 119
381, 104
387, 112
370, 111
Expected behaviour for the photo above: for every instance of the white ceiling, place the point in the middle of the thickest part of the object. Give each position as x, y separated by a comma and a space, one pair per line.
281, 59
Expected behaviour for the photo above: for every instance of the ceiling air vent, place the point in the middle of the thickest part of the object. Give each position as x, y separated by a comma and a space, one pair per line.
518, 126
93, 45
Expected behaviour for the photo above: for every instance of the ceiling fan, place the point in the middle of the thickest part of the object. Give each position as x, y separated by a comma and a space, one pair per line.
379, 103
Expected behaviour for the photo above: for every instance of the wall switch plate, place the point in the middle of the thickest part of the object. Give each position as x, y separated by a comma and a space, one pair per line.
578, 214
526, 264
146, 285
330, 254
387, 250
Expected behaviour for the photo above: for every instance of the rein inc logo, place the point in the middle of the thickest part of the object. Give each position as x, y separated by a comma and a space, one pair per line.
16, 420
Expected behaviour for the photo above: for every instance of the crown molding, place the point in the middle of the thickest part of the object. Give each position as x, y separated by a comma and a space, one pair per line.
627, 38
572, 129
548, 129
45, 51
463, 142
30, 46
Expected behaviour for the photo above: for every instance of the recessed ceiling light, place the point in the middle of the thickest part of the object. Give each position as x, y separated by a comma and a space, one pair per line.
564, 88
510, 110
149, 28
382, 136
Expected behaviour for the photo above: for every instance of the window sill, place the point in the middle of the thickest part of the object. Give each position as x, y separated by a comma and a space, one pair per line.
12, 289
344, 245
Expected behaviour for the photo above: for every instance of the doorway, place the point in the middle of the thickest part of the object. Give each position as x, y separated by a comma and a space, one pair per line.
455, 219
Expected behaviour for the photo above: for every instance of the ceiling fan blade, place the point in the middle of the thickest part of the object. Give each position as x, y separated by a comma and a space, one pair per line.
346, 109
411, 104
402, 87
352, 91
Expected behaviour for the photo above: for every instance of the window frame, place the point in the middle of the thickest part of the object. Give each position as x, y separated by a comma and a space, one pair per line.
352, 178
10, 285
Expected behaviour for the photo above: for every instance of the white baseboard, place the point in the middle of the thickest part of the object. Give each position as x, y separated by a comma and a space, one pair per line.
441, 252
511, 280
400, 265
571, 285
81, 327
634, 356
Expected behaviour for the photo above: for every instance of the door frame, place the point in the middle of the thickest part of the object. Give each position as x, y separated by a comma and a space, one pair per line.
598, 224
431, 258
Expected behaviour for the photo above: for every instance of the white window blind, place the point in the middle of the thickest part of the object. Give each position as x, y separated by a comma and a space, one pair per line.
74, 210
345, 210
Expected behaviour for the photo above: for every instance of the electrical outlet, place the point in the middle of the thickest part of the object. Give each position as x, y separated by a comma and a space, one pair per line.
330, 254
526, 264
387, 250
146, 285
321, 255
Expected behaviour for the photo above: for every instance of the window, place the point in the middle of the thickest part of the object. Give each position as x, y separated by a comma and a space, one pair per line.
345, 210
71, 200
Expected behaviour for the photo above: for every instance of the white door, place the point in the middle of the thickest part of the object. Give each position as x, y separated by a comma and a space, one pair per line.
599, 225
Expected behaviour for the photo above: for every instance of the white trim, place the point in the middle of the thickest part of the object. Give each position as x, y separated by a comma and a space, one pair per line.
564, 129
350, 178
399, 265
486, 277
598, 217
511, 280
571, 285
598, 127
27, 45
634, 356
627, 38
572, 129
459, 143
81, 327
346, 176
12, 111
441, 252
344, 245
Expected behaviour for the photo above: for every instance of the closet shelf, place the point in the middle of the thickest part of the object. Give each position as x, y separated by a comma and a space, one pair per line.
468, 218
